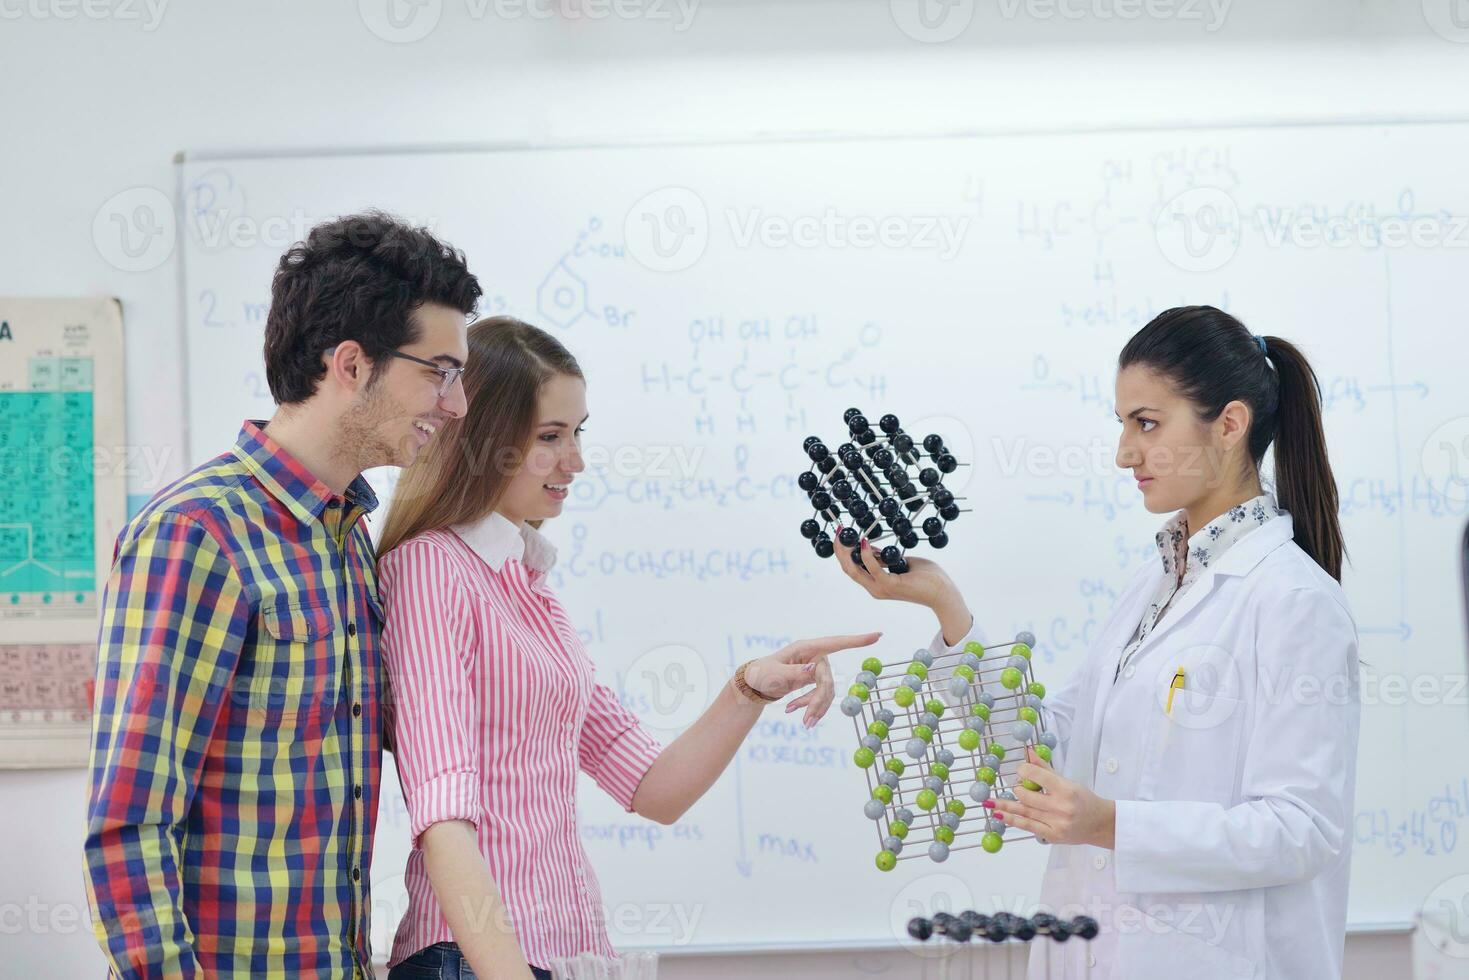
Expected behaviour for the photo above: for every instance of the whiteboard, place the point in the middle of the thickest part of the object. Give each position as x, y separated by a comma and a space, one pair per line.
728, 300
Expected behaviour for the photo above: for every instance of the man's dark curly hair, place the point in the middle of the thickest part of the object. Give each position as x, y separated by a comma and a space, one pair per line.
359, 278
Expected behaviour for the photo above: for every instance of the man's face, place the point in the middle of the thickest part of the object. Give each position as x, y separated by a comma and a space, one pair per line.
399, 410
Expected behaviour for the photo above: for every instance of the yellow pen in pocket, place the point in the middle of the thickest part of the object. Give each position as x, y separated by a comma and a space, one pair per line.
1175, 686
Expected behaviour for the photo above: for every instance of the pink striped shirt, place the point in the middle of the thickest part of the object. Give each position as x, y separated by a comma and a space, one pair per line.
495, 707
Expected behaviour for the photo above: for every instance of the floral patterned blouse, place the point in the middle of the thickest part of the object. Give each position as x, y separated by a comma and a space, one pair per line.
1185, 556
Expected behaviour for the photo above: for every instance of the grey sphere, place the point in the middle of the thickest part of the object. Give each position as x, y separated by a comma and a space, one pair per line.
993, 761
886, 717
866, 677
924, 657
974, 724
945, 756
1033, 701
916, 748
985, 698
958, 687
979, 792
1006, 794
851, 706
1022, 732
904, 814
1049, 740
971, 659
872, 742
995, 826
938, 851
1026, 637
934, 783
929, 718
874, 809
1019, 663
888, 779
891, 843
950, 820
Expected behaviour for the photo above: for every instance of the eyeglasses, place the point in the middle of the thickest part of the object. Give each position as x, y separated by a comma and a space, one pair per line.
447, 375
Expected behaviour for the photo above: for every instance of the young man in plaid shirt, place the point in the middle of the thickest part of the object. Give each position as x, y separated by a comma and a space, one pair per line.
237, 735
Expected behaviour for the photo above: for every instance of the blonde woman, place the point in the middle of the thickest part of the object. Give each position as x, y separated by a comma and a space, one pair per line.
496, 706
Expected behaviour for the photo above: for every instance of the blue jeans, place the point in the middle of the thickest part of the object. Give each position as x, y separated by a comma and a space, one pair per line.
443, 961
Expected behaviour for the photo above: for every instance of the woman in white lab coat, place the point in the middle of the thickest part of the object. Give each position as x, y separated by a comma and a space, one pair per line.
1200, 804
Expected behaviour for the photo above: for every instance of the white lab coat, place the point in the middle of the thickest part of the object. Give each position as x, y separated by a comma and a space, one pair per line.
1234, 809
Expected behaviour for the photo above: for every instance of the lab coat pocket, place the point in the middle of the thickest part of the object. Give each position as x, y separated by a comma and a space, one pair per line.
1193, 749
1173, 943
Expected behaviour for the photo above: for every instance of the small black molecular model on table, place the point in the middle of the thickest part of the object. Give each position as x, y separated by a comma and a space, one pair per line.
1043, 929
936, 731
886, 472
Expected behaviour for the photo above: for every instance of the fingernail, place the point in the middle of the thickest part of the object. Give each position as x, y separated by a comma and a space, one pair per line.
999, 814
810, 667
988, 804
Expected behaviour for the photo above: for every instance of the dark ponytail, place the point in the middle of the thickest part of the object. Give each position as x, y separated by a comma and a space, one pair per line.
1213, 360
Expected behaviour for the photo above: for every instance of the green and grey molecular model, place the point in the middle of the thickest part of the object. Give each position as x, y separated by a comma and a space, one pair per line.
936, 730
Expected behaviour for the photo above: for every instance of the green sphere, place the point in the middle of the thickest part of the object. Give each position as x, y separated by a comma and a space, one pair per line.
992, 842
974, 647
1029, 714
997, 750
927, 799
968, 740
940, 770
936, 706
859, 691
965, 671
894, 765
883, 792
917, 669
878, 728
898, 829
1021, 650
1011, 678
981, 711
985, 775
886, 860
1043, 752
864, 757
1037, 688
1031, 785
872, 665
923, 732
904, 697
944, 834
956, 807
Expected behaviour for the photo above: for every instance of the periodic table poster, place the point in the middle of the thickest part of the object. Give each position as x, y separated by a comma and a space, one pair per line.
62, 502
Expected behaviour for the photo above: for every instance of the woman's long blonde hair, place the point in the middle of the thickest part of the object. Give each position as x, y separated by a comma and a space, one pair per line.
460, 476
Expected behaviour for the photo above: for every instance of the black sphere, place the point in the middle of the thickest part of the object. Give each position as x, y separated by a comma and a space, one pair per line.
958, 931
903, 443
857, 423
826, 464
859, 509
888, 423
808, 481
817, 451
1060, 931
997, 931
809, 528
908, 540
942, 497
1043, 921
852, 460
949, 513
891, 555
848, 536
841, 489
824, 547
901, 526
821, 500
920, 929
947, 463
977, 921
1085, 926
888, 508
810, 441
933, 443
856, 556
847, 415
939, 540
900, 567
896, 474
883, 458
932, 526
1024, 931
928, 476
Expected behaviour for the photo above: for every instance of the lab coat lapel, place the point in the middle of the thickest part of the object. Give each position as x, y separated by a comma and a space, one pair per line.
1119, 631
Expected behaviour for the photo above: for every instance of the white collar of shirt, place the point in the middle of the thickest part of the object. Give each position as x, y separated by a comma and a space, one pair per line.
496, 540
1205, 546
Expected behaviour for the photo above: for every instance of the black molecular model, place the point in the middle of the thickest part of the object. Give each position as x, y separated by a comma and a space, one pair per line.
1002, 927
886, 482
